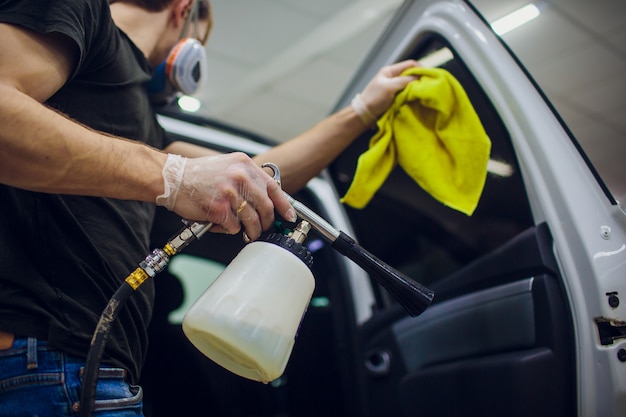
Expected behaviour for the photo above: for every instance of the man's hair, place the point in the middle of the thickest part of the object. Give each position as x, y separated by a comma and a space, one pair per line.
204, 8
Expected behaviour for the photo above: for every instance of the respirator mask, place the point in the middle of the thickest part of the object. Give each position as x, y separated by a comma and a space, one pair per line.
184, 68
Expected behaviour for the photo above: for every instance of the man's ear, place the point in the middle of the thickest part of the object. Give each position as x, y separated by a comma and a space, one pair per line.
181, 10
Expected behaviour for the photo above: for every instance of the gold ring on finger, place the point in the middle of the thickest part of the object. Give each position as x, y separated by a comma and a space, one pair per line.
242, 206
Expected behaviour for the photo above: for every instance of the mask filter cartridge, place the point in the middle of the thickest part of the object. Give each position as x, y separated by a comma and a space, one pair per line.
183, 71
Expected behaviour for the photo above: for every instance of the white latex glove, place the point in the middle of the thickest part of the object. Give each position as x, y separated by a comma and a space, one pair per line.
379, 93
227, 190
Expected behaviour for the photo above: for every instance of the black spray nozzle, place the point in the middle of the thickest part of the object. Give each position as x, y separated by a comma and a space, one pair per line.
413, 296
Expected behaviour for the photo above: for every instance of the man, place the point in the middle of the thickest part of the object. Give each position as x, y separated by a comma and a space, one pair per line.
83, 161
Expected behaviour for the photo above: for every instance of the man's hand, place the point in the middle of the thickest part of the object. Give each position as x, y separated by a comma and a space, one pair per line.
378, 94
227, 190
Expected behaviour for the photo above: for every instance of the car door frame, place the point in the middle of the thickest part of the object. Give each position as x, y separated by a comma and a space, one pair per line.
564, 191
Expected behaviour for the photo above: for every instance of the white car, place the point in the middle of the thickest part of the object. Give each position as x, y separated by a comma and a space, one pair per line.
528, 317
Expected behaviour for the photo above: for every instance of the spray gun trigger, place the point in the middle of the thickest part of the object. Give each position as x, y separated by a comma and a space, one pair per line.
275, 169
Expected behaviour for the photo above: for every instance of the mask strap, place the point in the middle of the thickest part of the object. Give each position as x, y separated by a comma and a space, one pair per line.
193, 15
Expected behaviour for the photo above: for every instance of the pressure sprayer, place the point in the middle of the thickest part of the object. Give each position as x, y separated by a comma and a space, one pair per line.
248, 319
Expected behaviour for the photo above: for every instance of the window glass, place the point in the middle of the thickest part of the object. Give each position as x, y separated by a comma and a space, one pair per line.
409, 229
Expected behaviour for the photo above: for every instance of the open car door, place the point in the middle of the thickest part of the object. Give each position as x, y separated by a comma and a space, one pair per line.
526, 319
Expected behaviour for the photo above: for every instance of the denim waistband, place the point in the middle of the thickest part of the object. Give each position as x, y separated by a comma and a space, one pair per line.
37, 379
30, 345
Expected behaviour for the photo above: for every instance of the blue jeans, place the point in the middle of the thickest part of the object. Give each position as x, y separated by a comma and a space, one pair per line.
36, 380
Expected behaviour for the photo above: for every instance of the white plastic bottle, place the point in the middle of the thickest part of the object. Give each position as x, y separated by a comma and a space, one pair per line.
248, 319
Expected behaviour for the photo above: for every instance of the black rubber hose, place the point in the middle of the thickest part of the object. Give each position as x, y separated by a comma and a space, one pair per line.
96, 350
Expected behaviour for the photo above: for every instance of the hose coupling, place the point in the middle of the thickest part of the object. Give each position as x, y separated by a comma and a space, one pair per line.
155, 262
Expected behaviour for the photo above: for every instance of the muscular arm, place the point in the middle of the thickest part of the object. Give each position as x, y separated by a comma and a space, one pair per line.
306, 155
41, 150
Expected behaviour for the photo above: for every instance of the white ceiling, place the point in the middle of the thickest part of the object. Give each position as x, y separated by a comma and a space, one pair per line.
278, 66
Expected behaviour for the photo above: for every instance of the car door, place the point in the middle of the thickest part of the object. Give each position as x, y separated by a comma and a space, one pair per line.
526, 319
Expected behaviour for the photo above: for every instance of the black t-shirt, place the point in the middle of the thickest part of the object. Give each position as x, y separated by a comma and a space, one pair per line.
62, 257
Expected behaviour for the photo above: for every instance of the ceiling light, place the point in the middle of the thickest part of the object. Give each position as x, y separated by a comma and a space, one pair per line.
437, 58
501, 169
515, 19
189, 104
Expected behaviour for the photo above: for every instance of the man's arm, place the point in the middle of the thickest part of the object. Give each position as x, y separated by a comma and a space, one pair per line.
306, 155
41, 150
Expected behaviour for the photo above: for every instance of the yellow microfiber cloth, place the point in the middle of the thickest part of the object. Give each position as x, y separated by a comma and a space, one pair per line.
435, 135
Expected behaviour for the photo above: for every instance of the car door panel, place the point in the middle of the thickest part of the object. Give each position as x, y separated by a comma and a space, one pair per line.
503, 349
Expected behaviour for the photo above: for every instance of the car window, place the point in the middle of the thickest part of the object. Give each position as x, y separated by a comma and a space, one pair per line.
418, 235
